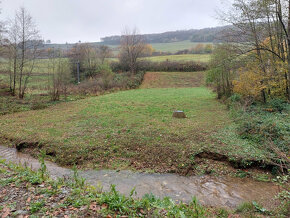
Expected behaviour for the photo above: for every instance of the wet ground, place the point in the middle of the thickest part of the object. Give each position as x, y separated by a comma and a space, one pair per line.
209, 190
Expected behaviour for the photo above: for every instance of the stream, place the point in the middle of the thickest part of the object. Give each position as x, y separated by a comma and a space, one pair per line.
226, 192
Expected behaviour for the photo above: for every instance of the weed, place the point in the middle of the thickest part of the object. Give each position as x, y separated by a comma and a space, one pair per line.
262, 178
43, 168
198, 210
79, 182
222, 213
245, 208
260, 209
36, 206
241, 174
38, 106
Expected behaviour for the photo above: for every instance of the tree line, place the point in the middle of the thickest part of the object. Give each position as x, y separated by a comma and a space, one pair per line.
194, 35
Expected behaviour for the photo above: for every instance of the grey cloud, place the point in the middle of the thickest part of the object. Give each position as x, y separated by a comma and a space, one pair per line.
89, 20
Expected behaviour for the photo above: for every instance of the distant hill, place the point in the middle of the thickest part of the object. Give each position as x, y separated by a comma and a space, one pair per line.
173, 41
194, 35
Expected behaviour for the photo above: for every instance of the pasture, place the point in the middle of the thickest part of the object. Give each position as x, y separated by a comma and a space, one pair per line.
134, 129
175, 46
172, 47
203, 58
181, 58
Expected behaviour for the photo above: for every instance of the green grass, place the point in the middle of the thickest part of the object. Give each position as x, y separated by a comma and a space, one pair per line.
186, 57
172, 47
41, 66
175, 46
48, 197
37, 82
121, 126
173, 79
204, 58
132, 129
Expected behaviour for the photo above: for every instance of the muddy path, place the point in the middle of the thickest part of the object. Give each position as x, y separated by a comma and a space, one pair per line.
211, 191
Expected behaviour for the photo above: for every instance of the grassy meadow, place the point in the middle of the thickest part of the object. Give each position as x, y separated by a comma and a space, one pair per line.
134, 129
171, 46
204, 58
180, 58
175, 46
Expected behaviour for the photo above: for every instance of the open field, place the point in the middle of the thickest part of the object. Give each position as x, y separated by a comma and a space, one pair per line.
186, 57
175, 46
134, 129
204, 58
41, 66
169, 47
171, 79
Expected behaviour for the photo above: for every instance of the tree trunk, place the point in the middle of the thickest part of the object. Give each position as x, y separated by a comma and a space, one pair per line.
10, 76
288, 55
21, 89
14, 73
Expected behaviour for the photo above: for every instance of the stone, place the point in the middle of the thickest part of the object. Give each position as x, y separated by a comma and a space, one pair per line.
179, 114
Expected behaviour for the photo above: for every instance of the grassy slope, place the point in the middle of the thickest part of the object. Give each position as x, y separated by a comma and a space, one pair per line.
187, 57
173, 80
131, 128
171, 46
205, 58
175, 46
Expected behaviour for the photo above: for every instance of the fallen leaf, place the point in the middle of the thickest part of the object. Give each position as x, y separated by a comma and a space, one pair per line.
95, 207
6, 212
28, 200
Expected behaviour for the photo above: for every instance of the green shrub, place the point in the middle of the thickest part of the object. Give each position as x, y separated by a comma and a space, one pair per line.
246, 207
278, 104
165, 66
265, 127
38, 105
235, 98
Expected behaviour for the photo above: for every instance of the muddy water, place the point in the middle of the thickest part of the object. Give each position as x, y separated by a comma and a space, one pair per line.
212, 191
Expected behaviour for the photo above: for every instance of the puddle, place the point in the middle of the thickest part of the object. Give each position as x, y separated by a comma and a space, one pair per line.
212, 191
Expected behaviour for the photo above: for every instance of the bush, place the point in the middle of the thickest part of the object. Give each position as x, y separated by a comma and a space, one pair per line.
264, 127
278, 104
165, 66
235, 98
38, 106
109, 81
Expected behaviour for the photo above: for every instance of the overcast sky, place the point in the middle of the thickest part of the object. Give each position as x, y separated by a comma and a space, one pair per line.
89, 20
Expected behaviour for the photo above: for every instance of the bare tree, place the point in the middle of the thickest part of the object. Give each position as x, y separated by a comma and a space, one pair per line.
85, 56
132, 47
59, 76
104, 52
13, 33
29, 42
24, 41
